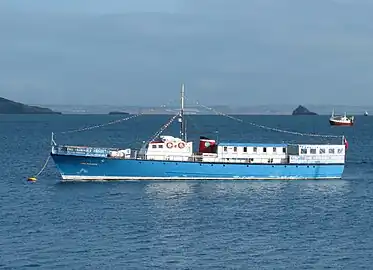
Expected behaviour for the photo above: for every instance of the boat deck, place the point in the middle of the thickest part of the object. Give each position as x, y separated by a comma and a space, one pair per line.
101, 152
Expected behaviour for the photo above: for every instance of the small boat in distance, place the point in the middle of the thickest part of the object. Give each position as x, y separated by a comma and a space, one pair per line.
366, 113
341, 120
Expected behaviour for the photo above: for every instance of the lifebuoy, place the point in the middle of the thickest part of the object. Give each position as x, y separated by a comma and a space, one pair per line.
181, 145
169, 145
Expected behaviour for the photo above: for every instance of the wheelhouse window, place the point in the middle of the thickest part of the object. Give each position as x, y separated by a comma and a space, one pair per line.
225, 149
340, 150
264, 149
274, 149
245, 149
313, 151
154, 146
331, 151
284, 150
160, 146
255, 149
303, 151
235, 149
322, 151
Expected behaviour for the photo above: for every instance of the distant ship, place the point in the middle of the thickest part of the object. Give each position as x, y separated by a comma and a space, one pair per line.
172, 158
341, 120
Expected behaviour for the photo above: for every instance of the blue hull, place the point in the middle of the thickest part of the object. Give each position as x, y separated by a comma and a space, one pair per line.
98, 168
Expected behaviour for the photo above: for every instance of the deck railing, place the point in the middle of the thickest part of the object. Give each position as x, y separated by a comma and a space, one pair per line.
82, 150
105, 152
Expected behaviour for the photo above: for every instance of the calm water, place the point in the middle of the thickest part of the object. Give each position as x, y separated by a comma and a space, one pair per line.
181, 225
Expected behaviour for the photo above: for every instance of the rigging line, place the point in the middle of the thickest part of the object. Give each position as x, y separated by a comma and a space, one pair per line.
163, 128
102, 125
197, 129
266, 127
115, 121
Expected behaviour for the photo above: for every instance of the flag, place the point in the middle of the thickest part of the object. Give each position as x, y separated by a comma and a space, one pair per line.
346, 143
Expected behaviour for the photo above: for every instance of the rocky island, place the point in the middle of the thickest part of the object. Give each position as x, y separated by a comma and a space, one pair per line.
11, 107
300, 110
117, 112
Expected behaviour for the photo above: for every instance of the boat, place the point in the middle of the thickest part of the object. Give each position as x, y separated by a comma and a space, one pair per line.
171, 157
341, 120
365, 113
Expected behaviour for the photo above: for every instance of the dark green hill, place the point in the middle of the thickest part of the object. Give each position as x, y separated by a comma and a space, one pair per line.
11, 107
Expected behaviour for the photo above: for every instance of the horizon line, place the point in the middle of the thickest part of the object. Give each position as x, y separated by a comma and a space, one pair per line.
210, 105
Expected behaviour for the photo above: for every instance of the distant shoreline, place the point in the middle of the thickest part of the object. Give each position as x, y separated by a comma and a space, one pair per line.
159, 114
231, 110
8, 106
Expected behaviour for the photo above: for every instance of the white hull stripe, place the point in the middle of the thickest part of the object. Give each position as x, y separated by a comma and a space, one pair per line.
113, 178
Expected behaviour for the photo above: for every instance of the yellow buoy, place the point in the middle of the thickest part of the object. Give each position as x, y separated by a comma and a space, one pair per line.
31, 179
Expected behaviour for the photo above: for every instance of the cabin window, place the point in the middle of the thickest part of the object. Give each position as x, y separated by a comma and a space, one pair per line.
274, 150
313, 151
245, 149
284, 150
255, 149
322, 151
225, 149
331, 151
303, 151
160, 146
235, 149
264, 149
154, 146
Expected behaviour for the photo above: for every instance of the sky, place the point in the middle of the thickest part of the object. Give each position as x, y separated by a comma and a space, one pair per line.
138, 52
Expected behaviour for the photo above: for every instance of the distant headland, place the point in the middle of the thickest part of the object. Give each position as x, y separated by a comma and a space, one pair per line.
11, 107
300, 110
118, 112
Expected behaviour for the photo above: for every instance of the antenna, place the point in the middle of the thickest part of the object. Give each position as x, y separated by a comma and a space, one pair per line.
181, 119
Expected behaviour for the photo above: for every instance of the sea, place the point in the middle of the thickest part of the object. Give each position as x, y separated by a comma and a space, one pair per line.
278, 224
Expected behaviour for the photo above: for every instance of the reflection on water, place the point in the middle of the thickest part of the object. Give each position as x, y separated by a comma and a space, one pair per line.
169, 190
233, 188
184, 189
325, 187
277, 187
168, 199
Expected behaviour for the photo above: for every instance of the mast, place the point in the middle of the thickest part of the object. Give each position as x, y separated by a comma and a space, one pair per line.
181, 119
